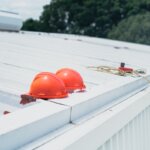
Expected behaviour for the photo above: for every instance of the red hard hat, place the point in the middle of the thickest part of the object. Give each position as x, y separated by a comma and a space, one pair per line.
47, 85
72, 79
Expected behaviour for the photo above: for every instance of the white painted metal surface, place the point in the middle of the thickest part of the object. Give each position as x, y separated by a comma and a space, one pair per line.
90, 118
103, 127
101, 97
10, 21
134, 136
20, 128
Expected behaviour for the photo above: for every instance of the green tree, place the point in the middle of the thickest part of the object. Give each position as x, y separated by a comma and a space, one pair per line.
86, 17
89, 17
133, 29
53, 17
31, 25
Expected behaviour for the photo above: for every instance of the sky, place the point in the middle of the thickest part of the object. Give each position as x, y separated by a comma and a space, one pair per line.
26, 8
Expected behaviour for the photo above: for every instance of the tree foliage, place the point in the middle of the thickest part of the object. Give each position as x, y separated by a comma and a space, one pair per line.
31, 25
133, 29
86, 17
89, 17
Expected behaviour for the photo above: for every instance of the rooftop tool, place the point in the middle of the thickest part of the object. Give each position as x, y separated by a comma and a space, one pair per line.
125, 69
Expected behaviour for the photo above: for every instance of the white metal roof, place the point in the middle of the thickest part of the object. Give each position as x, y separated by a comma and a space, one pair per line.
24, 54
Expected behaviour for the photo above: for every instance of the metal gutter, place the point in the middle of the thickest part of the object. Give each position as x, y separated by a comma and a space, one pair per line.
100, 97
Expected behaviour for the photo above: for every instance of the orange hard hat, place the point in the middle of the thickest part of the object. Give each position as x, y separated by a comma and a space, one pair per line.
72, 79
47, 85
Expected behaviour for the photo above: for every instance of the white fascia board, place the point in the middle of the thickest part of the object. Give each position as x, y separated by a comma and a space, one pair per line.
96, 131
23, 126
47, 138
82, 105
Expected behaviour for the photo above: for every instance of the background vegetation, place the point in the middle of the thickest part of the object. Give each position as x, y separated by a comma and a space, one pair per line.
127, 20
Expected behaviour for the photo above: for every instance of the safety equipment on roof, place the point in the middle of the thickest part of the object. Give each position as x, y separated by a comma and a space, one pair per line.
125, 69
72, 79
121, 71
47, 85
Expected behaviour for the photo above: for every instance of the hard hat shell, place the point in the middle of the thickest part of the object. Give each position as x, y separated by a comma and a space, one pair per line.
72, 79
47, 85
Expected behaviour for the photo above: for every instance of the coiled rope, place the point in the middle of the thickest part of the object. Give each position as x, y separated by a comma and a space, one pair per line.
116, 71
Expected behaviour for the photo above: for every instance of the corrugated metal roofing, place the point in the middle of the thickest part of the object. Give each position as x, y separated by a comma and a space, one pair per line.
32, 53
24, 54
